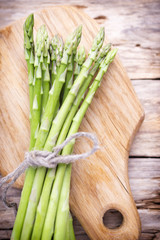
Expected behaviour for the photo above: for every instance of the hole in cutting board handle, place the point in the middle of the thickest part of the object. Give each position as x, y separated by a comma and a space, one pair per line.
112, 219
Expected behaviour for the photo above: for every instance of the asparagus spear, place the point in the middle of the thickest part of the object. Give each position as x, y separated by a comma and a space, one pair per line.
29, 54
71, 229
79, 60
41, 40
63, 206
45, 75
43, 132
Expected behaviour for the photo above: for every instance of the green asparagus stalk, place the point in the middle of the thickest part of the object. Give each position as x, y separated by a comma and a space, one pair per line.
63, 207
29, 54
70, 228
43, 132
45, 75
67, 230
41, 40
51, 212
79, 60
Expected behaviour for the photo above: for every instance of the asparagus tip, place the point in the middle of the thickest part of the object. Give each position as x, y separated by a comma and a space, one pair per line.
73, 40
104, 51
28, 31
29, 22
41, 39
111, 55
98, 41
108, 59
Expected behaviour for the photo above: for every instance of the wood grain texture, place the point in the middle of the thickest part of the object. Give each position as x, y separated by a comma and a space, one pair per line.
147, 140
101, 182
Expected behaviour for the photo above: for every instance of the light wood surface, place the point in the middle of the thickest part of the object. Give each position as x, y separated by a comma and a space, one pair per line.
100, 183
134, 28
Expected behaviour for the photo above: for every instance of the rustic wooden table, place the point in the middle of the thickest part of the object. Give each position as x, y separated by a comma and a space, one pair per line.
134, 27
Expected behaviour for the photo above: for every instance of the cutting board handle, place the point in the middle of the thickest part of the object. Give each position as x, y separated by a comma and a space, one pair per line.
127, 229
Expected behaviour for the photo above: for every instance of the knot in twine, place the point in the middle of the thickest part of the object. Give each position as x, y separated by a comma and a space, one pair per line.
46, 159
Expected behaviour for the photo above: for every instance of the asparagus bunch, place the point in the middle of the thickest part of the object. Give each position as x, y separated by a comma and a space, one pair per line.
53, 135
45, 191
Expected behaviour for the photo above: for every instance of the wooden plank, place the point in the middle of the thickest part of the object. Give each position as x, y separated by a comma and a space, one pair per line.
133, 26
144, 175
147, 140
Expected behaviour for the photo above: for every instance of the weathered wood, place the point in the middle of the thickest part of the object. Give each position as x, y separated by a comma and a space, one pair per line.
147, 140
132, 26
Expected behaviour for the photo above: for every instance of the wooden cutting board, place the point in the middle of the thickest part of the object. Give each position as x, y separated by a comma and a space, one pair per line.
101, 182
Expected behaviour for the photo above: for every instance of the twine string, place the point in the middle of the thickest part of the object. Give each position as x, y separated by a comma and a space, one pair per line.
46, 159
